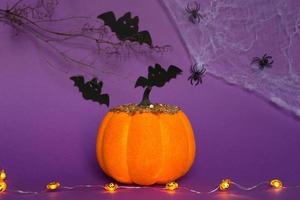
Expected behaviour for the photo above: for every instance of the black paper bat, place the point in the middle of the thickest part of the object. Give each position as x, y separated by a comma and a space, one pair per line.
91, 90
158, 76
126, 28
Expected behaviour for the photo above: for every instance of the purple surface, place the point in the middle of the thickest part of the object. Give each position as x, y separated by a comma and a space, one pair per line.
48, 131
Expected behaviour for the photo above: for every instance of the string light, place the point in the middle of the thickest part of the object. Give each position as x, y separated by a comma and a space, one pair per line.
3, 186
2, 175
54, 185
225, 184
111, 187
276, 183
171, 186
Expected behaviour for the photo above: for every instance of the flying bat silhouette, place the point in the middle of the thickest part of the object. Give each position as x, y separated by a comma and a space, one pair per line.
158, 76
126, 28
91, 90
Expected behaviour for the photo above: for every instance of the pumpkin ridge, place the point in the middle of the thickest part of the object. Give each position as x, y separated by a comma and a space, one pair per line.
100, 158
102, 146
190, 159
162, 149
163, 156
127, 136
115, 159
187, 146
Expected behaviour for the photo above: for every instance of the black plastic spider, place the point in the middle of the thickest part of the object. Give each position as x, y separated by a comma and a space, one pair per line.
193, 11
197, 74
265, 61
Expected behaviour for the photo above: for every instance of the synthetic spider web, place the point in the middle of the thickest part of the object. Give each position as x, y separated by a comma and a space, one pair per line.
234, 31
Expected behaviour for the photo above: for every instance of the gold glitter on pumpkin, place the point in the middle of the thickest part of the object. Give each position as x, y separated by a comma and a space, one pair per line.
132, 109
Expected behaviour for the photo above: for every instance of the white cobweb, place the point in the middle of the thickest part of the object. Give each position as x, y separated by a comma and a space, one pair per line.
234, 31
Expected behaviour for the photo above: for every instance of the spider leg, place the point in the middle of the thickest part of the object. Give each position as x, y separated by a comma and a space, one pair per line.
187, 10
201, 16
202, 71
268, 57
271, 62
192, 82
198, 80
190, 77
198, 18
264, 56
197, 5
269, 65
193, 68
189, 7
255, 60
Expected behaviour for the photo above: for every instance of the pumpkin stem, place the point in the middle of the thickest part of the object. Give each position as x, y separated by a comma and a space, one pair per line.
146, 101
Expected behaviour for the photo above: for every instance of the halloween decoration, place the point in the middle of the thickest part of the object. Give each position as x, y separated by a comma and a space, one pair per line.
2, 175
54, 185
94, 41
197, 74
193, 11
157, 76
264, 61
227, 41
126, 28
91, 90
172, 186
225, 184
111, 187
146, 143
3, 186
276, 183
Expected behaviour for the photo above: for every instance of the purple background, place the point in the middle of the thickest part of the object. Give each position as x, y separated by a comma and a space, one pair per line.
47, 131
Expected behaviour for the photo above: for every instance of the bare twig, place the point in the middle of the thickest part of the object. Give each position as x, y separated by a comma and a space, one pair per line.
32, 20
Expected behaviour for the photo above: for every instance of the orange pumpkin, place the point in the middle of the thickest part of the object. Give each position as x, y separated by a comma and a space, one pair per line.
145, 147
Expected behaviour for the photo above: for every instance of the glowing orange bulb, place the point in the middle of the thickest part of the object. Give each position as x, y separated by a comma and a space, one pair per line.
2, 175
276, 183
225, 184
171, 186
111, 187
3, 186
54, 185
